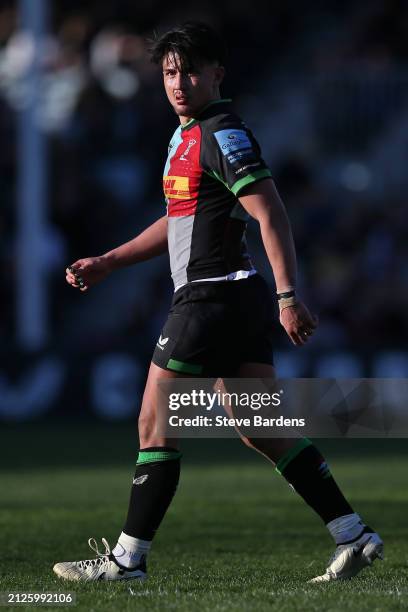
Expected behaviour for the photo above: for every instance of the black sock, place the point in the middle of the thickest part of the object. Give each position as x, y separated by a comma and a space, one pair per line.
307, 471
154, 485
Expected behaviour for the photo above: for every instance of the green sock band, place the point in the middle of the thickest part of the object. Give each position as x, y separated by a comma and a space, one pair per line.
154, 456
291, 454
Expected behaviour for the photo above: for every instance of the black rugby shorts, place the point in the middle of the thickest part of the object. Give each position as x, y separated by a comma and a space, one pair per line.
214, 327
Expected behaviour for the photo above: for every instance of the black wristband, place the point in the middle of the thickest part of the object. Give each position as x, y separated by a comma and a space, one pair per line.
286, 294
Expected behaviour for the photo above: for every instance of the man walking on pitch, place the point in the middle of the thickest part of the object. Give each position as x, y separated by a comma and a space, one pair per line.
214, 180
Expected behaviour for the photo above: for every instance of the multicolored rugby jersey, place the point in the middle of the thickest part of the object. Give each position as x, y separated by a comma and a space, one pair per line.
211, 159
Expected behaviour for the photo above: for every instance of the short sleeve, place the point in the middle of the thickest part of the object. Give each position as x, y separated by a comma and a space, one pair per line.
232, 155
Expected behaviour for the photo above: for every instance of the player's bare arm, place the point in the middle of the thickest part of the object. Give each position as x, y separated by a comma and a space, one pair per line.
261, 200
86, 272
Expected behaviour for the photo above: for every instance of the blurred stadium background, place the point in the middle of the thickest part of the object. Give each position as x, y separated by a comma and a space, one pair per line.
324, 86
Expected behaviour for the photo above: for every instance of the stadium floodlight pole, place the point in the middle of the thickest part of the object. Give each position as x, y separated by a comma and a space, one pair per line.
31, 290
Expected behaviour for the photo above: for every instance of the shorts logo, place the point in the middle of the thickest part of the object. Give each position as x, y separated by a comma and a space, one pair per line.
162, 342
232, 140
140, 479
176, 187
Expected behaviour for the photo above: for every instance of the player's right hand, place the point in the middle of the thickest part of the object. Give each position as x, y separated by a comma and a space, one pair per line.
299, 324
84, 273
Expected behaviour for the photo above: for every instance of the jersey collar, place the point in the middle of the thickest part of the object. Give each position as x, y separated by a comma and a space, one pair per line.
204, 112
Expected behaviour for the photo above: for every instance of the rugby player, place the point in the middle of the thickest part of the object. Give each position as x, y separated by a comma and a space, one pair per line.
220, 321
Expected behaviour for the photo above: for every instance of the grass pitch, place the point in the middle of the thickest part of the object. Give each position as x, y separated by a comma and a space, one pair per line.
235, 538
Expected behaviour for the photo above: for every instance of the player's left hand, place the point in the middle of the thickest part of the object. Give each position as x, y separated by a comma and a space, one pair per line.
299, 324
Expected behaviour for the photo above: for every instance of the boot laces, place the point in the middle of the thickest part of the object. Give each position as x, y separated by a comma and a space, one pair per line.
102, 557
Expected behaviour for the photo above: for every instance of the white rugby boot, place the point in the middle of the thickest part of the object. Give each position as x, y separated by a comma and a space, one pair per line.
351, 557
103, 567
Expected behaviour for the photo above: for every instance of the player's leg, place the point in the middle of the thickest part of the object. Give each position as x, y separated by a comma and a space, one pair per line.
299, 461
154, 484
303, 466
155, 480
181, 351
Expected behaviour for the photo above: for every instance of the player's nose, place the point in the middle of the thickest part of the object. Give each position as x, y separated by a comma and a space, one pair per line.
181, 83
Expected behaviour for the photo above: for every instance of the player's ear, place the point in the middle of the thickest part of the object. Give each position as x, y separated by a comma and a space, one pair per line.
219, 74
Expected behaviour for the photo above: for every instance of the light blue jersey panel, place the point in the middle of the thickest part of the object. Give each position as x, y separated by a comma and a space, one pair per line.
175, 142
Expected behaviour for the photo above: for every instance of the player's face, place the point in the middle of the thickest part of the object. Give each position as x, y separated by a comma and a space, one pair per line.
188, 93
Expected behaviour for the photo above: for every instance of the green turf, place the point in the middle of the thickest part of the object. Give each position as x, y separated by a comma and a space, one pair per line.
235, 538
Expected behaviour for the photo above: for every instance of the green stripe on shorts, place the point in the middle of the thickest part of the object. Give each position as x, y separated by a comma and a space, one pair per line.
185, 368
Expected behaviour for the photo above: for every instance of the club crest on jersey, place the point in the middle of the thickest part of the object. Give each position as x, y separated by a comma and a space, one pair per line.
232, 140
191, 143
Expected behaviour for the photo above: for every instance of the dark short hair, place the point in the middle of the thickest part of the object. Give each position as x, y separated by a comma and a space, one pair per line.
195, 44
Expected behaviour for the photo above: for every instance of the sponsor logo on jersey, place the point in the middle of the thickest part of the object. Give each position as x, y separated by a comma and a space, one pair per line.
255, 165
191, 143
232, 140
176, 187
239, 155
